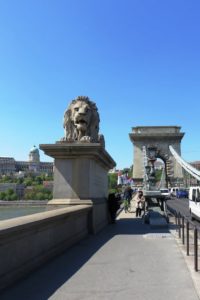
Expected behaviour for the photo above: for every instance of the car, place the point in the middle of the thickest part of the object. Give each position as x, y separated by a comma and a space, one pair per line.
173, 191
182, 193
165, 193
194, 202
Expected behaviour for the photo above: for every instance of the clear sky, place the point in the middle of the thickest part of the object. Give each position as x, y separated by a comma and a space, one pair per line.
139, 60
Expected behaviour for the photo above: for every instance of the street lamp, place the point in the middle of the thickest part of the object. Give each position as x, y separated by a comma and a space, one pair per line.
151, 150
146, 178
148, 169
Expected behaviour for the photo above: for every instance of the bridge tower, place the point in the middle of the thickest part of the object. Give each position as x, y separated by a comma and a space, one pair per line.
160, 137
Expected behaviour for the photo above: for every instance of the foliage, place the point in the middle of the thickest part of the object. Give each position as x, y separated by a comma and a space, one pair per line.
112, 181
28, 179
130, 172
8, 195
110, 191
2, 195
158, 175
38, 192
112, 184
6, 179
19, 180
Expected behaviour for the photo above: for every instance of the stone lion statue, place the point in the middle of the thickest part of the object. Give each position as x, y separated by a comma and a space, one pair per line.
81, 122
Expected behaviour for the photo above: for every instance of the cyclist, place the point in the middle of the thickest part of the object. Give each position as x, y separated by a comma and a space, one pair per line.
127, 198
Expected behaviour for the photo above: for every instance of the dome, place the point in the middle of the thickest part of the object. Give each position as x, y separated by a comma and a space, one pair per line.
34, 149
34, 155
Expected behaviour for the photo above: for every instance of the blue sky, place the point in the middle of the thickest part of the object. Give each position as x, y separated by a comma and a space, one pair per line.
139, 60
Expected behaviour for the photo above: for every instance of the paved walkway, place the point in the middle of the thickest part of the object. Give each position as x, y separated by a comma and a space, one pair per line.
126, 260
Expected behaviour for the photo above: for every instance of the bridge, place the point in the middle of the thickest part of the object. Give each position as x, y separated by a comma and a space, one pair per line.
164, 143
126, 260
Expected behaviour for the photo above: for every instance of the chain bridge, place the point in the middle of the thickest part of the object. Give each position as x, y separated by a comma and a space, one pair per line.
126, 260
164, 143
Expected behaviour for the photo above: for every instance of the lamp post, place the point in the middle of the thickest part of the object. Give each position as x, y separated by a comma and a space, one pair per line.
148, 169
153, 198
151, 150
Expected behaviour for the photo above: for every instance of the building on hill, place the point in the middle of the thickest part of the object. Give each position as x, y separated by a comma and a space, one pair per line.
8, 165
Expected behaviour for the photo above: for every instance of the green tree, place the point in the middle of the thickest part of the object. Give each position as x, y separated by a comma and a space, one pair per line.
8, 195
12, 197
38, 180
20, 180
6, 179
38, 193
28, 181
112, 182
2, 195
130, 172
158, 175
10, 192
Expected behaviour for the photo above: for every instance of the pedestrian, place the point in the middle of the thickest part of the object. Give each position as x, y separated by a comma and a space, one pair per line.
140, 201
113, 206
128, 194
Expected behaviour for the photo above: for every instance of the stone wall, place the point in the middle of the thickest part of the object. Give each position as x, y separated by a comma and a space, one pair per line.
27, 242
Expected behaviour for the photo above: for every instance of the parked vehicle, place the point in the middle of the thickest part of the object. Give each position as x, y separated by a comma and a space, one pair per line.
182, 193
179, 192
194, 202
173, 191
165, 193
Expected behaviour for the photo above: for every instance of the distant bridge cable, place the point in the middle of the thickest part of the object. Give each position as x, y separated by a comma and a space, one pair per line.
187, 167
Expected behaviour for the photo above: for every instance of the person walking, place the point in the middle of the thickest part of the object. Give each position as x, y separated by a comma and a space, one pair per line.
140, 200
113, 206
127, 198
128, 194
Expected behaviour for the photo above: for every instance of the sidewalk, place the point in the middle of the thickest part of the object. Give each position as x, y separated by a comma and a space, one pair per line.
127, 260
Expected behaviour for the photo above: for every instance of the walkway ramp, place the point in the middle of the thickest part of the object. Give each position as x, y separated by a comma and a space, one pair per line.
127, 260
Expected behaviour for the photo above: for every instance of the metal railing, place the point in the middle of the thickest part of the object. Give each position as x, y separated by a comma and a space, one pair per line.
189, 233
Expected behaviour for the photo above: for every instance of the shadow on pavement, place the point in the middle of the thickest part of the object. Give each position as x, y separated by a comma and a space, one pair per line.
43, 282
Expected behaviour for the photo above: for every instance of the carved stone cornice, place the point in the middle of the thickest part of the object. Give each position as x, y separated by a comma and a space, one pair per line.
63, 150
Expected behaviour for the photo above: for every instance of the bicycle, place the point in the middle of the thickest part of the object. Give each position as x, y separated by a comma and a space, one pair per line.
127, 206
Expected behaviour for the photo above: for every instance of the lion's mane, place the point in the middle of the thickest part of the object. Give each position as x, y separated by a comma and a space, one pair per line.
92, 130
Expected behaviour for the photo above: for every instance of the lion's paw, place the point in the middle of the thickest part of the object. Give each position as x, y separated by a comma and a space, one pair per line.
85, 139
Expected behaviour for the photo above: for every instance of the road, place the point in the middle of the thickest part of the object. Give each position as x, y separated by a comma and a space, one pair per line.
181, 205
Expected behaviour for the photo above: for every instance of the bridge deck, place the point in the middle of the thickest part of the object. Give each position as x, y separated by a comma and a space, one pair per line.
127, 260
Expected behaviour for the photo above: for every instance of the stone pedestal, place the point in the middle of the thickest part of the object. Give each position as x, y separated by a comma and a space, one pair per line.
81, 177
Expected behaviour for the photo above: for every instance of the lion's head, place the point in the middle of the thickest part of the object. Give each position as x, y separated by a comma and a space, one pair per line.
81, 121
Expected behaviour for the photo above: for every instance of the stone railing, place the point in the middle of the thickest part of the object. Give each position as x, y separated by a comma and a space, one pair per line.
27, 242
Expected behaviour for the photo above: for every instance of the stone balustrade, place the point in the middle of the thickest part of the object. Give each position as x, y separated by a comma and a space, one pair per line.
27, 242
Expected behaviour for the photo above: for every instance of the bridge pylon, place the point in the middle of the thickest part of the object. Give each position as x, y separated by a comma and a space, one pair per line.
161, 137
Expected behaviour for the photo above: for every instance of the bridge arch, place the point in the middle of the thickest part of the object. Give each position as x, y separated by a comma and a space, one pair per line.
160, 137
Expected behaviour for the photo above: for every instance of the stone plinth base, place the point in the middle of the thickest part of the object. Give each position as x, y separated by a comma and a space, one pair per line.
81, 177
69, 202
99, 214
